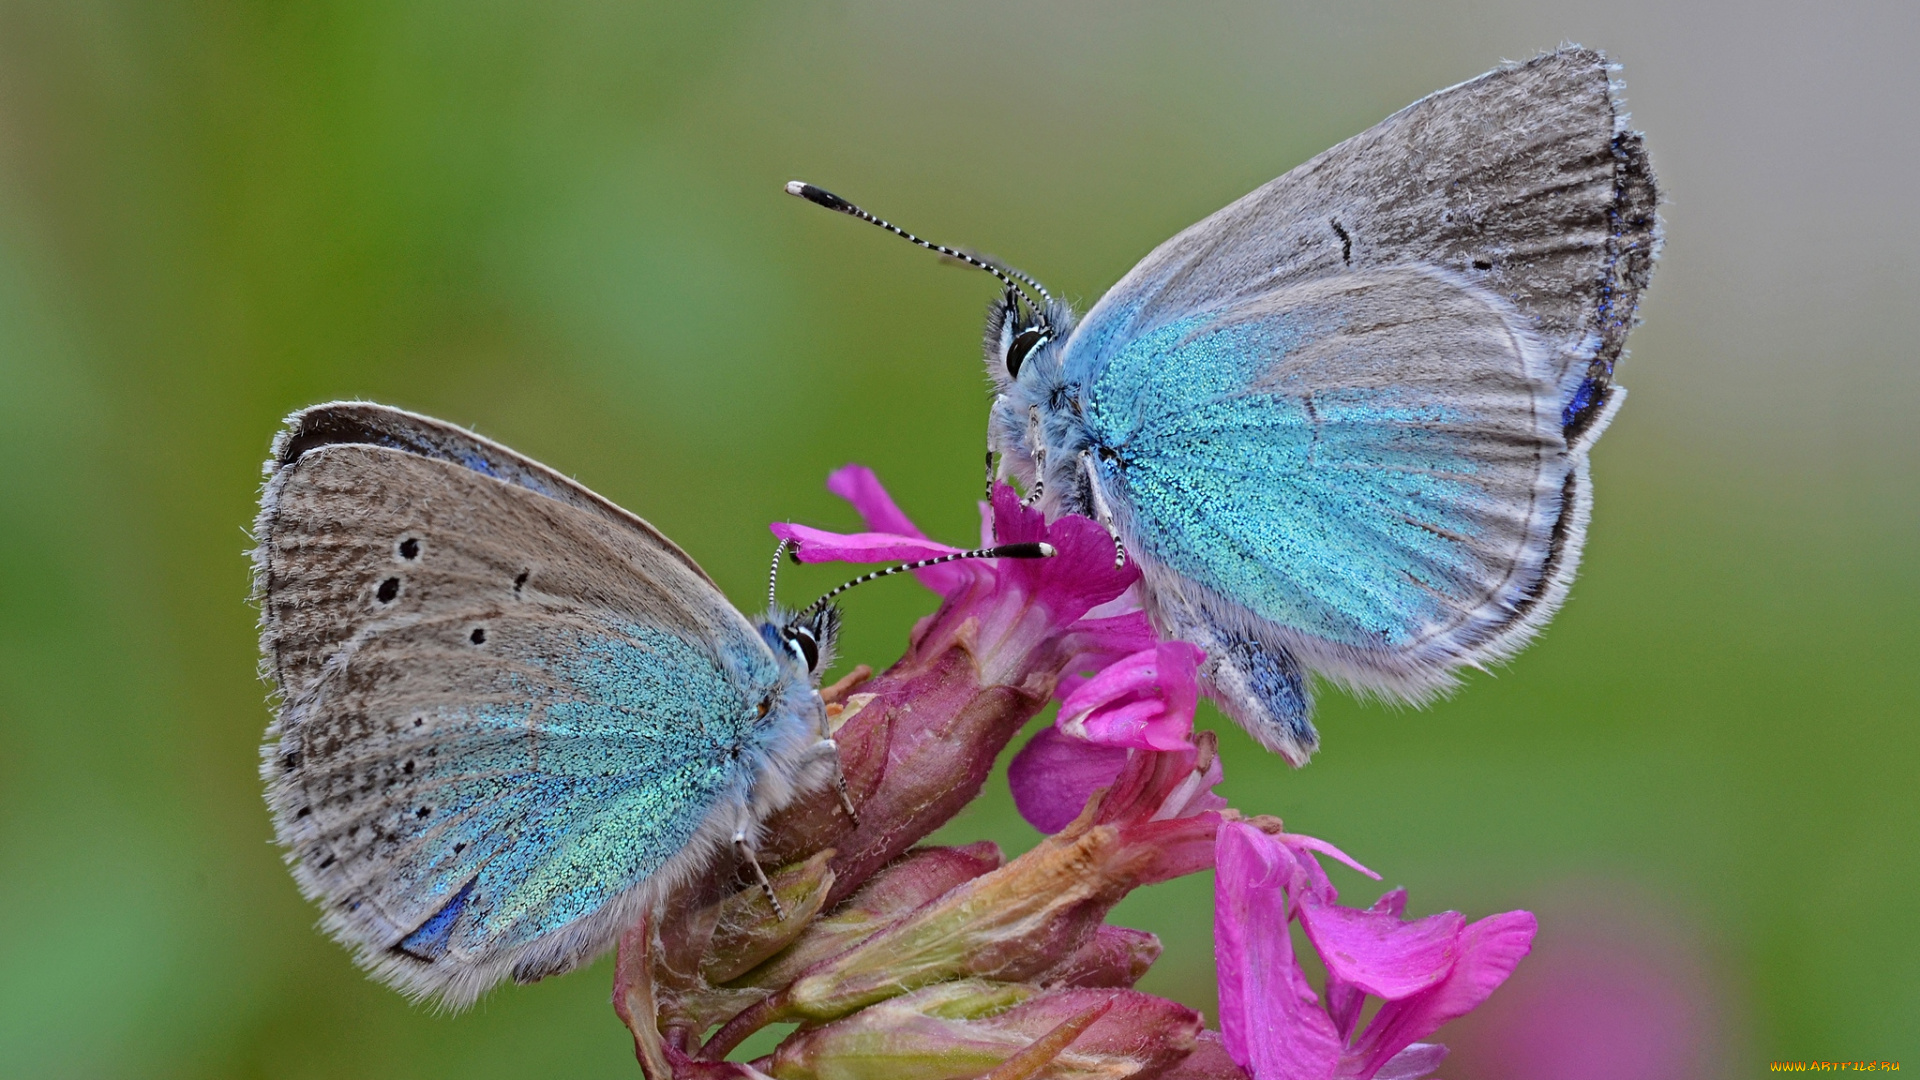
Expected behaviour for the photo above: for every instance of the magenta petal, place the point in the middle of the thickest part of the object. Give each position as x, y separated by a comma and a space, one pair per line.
1270, 1020
1125, 676
1054, 774
1489, 951
1344, 1000
1141, 725
1014, 522
1378, 953
818, 545
1393, 902
1142, 702
1115, 635
1097, 643
1077, 579
1194, 795
1344, 1003
858, 485
1314, 843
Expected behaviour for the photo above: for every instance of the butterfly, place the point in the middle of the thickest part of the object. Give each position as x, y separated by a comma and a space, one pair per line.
511, 715
1342, 425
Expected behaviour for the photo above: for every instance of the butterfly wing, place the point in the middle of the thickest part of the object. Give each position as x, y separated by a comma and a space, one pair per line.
1365, 474
1349, 413
509, 711
1525, 181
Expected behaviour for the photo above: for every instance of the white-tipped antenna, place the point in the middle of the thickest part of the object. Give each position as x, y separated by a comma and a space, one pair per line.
1007, 274
1004, 551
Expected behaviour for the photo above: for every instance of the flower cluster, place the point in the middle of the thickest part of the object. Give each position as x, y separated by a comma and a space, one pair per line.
913, 962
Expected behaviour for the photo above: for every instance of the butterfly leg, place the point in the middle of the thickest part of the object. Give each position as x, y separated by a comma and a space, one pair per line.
1039, 451
830, 750
840, 782
1102, 512
744, 848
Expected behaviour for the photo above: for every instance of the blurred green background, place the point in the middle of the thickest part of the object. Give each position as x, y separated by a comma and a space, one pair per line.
562, 223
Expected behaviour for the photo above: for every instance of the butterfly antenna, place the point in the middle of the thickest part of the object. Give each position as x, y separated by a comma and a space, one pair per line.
773, 575
1037, 287
1006, 274
1004, 551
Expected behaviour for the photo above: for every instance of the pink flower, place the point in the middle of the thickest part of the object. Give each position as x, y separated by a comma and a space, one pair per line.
1143, 702
1427, 971
1126, 790
1054, 774
1015, 611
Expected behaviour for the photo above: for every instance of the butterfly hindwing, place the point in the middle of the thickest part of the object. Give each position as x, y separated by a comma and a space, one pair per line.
507, 718
1351, 470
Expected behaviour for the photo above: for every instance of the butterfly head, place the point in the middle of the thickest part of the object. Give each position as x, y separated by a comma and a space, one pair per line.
810, 636
804, 638
1015, 331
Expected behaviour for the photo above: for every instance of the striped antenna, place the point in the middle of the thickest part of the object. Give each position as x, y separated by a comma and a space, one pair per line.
823, 197
1004, 551
773, 575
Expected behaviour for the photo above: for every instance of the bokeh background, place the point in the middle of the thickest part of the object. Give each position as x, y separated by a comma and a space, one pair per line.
562, 223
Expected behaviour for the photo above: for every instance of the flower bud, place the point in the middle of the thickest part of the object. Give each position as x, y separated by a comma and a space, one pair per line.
978, 1028
1037, 912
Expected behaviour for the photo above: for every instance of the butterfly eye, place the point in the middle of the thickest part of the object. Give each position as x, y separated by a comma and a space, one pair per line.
1024, 342
800, 640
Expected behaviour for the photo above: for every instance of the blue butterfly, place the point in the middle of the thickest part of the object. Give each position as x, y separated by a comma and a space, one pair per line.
1342, 425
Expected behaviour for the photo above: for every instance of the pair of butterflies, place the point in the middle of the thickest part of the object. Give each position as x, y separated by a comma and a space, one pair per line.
1341, 425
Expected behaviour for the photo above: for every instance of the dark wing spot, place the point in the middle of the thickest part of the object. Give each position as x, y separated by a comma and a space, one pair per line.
1483, 264
303, 811
410, 548
479, 635
459, 847
519, 580
389, 589
407, 768
418, 720
423, 811
1346, 241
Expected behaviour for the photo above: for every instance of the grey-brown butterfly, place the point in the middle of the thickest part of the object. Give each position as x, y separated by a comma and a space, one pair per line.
511, 715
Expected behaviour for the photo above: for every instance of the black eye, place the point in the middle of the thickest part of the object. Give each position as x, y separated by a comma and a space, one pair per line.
800, 639
1023, 343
